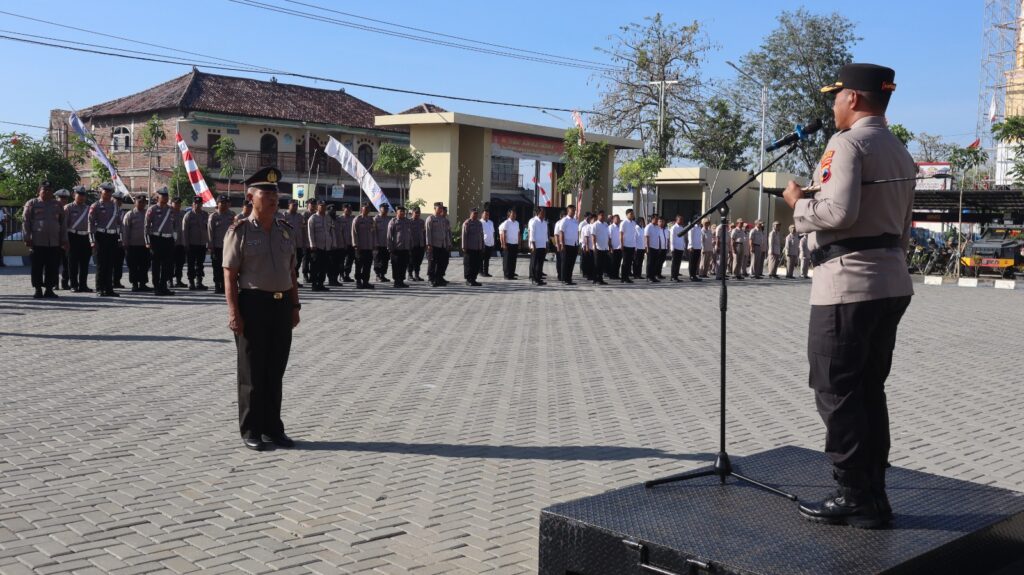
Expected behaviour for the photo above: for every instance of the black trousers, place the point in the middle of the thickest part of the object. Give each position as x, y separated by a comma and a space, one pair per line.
334, 261
300, 254
537, 264
380, 262
399, 265
79, 252
628, 256
601, 263
364, 260
509, 259
616, 263
471, 264
652, 264
662, 258
348, 260
559, 263
196, 260
437, 265
677, 262
138, 264
65, 276
587, 264
180, 258
106, 255
163, 260
849, 348
416, 260
638, 262
305, 265
693, 264
119, 256
485, 259
217, 263
263, 349
45, 260
318, 262
569, 254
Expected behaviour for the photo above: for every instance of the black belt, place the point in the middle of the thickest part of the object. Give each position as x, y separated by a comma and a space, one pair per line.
839, 248
275, 295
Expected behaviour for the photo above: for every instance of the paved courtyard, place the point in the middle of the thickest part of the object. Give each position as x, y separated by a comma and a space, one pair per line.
437, 423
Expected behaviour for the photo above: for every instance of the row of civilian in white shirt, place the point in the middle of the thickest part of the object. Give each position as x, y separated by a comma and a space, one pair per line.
600, 235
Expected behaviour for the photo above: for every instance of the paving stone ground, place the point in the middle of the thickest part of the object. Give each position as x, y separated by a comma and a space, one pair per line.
437, 423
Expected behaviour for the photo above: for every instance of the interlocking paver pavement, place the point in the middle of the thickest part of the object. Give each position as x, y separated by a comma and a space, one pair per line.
436, 423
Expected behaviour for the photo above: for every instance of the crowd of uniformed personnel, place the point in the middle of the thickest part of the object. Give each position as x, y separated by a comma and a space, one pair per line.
162, 245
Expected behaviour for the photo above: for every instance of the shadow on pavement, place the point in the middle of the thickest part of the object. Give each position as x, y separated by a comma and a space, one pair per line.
550, 453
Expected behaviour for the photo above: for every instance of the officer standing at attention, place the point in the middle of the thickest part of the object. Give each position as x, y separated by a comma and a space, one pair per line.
79, 246
336, 254
63, 197
119, 254
695, 247
567, 242
627, 236
321, 240
195, 234
707, 254
217, 227
438, 235
616, 241
792, 252
348, 253
774, 251
419, 246
600, 242
44, 230
805, 256
298, 224
180, 249
678, 244
133, 236
263, 309
103, 232
861, 288
472, 247
488, 225
160, 234
757, 250
400, 238
508, 233
538, 238
739, 242
380, 230
363, 241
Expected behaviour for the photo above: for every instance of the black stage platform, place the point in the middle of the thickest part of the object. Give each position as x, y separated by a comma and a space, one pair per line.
942, 525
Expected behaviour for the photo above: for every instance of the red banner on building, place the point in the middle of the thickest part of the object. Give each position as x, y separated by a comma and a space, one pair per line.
510, 145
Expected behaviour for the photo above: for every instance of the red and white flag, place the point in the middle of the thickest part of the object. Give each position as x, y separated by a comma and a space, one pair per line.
544, 196
578, 119
194, 176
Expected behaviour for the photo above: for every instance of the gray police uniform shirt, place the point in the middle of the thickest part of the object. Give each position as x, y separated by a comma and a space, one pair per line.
264, 260
419, 231
76, 219
775, 242
344, 224
380, 230
363, 236
133, 233
320, 232
472, 235
103, 219
337, 232
178, 217
298, 223
756, 237
217, 227
793, 245
195, 228
160, 221
400, 234
739, 239
844, 209
438, 232
44, 223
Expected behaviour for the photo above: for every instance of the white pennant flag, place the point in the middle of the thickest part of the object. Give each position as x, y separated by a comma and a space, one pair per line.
992, 110
351, 165
97, 152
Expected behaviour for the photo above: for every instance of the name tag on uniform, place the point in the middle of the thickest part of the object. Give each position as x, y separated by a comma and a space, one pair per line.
253, 243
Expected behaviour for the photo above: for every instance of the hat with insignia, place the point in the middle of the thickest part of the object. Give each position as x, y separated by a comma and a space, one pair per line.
46, 184
62, 193
399, 208
438, 204
474, 210
197, 199
865, 78
223, 198
265, 179
141, 198
80, 190
163, 191
107, 187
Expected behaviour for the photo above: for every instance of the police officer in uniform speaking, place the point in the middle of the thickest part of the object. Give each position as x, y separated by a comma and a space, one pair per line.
861, 288
263, 308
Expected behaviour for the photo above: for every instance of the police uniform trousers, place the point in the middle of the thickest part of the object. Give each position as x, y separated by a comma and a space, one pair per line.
45, 260
568, 262
849, 349
65, 276
791, 264
364, 260
299, 258
707, 262
416, 261
79, 252
638, 262
437, 264
217, 265
616, 262
653, 269
138, 264
662, 258
180, 259
305, 266
738, 260
106, 255
773, 264
318, 262
348, 259
380, 262
537, 264
677, 262
805, 266
509, 260
399, 265
693, 263
757, 266
485, 262
601, 263
334, 261
263, 348
196, 260
163, 260
559, 259
471, 260
119, 256
626, 270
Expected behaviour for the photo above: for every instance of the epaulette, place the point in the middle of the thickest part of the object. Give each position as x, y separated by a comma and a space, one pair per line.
285, 222
234, 225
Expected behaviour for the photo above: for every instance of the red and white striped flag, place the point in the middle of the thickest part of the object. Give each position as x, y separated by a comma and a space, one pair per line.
194, 176
578, 119
544, 196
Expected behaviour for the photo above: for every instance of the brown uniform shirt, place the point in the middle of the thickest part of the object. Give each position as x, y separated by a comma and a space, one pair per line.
298, 223
103, 219
76, 216
44, 223
159, 220
320, 232
380, 230
344, 224
195, 228
438, 232
217, 227
419, 231
363, 236
134, 231
739, 239
178, 217
400, 234
775, 242
756, 237
472, 235
264, 260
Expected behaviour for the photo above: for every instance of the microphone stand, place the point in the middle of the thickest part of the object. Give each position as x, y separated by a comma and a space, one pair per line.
723, 466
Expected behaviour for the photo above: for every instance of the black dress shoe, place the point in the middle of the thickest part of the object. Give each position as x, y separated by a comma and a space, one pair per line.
85, 289
845, 508
144, 287
49, 294
254, 443
570, 283
38, 294
401, 285
179, 284
280, 440
118, 285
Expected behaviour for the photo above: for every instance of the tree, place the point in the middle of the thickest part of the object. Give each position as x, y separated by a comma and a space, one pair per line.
152, 135
1011, 131
931, 148
180, 186
902, 133
653, 51
583, 161
403, 162
27, 161
721, 137
963, 160
802, 54
224, 153
640, 172
417, 203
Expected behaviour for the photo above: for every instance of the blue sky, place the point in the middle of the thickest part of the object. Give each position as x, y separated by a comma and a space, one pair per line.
934, 46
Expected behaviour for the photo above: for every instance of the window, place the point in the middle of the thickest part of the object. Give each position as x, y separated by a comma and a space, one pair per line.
211, 157
365, 155
504, 172
122, 140
268, 150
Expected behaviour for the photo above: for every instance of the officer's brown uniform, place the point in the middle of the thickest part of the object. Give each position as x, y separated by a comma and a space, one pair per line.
133, 236
348, 253
104, 229
419, 248
792, 253
216, 229
298, 224
364, 239
321, 242
472, 249
160, 237
381, 256
740, 241
400, 236
45, 227
757, 252
438, 235
195, 234
79, 249
774, 252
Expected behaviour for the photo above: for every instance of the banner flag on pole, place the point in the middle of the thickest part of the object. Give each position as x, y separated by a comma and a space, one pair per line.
97, 152
992, 109
194, 175
351, 165
578, 119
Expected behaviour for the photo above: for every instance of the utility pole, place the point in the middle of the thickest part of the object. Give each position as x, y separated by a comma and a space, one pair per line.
661, 126
764, 114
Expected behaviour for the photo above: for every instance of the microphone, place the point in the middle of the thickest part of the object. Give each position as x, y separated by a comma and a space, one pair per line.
801, 133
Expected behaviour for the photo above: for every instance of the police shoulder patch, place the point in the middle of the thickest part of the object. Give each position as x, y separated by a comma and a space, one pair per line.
284, 222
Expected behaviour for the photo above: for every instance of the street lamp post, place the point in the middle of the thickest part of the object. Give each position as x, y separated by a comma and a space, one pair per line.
764, 115
661, 125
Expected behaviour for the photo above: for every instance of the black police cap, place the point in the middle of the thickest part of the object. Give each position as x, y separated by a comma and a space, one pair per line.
197, 199
265, 179
107, 187
864, 78
163, 191
223, 198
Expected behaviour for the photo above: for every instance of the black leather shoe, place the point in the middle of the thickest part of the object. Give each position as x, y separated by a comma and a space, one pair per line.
845, 508
179, 284
49, 294
38, 294
877, 476
118, 285
401, 285
280, 440
254, 443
